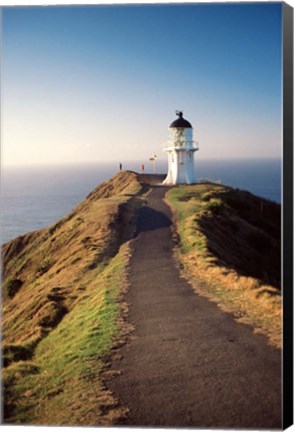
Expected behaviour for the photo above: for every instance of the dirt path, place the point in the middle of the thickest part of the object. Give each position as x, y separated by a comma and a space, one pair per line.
190, 363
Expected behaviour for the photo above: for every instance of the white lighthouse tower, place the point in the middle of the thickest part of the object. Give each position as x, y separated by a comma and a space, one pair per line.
180, 152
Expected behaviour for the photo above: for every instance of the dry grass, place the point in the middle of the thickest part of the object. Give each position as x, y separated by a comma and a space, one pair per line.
230, 248
54, 265
60, 318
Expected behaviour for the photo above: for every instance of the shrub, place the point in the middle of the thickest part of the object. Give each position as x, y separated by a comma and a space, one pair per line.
13, 353
206, 196
215, 205
12, 286
54, 227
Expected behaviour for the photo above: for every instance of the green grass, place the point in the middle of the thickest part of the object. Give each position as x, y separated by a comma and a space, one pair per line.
47, 389
229, 247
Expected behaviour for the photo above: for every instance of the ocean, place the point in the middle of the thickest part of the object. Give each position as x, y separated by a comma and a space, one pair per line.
35, 197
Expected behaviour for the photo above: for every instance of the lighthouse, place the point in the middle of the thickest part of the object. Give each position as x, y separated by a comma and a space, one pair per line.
180, 151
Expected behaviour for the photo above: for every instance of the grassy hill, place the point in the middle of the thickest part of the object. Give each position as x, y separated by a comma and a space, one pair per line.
63, 310
230, 245
60, 318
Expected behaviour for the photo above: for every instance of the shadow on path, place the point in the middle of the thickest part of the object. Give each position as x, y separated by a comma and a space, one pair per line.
150, 219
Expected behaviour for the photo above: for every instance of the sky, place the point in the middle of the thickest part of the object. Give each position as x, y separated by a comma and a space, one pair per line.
102, 83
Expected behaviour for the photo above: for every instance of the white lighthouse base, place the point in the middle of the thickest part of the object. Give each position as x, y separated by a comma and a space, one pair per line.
181, 168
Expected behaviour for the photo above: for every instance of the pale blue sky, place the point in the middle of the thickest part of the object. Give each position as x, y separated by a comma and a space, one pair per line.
102, 83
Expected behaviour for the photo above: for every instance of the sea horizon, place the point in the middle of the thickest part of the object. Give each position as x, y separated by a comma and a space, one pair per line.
35, 196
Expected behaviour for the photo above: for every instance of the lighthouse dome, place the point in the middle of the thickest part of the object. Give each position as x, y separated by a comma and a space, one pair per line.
180, 122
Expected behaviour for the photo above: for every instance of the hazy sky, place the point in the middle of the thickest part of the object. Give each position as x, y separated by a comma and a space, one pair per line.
102, 83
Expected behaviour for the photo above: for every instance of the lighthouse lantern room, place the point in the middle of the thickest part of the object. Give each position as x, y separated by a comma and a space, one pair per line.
180, 150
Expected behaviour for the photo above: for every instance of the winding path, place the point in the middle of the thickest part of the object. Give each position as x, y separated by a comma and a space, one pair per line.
190, 364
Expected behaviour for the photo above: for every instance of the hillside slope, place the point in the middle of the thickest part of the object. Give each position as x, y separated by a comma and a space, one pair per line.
54, 277
63, 309
231, 241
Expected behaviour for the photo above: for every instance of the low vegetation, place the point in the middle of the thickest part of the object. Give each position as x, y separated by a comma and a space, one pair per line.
60, 384
63, 315
62, 289
230, 245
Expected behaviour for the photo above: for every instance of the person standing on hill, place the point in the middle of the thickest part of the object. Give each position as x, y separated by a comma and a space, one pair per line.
142, 168
120, 166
